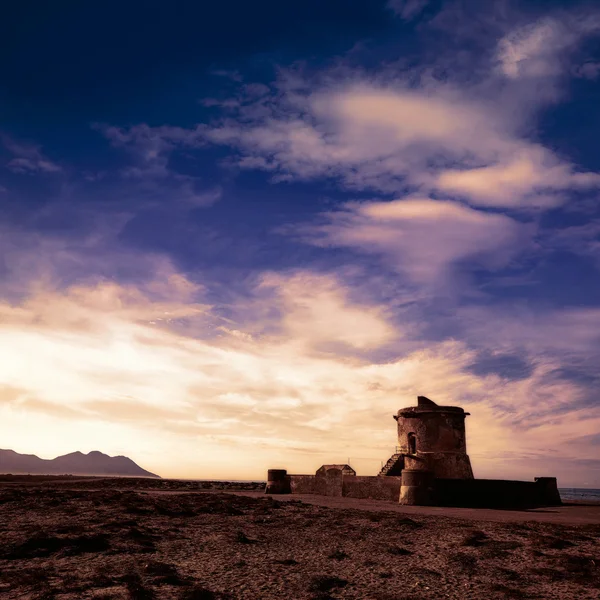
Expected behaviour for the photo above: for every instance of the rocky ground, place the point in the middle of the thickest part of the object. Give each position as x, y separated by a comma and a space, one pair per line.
133, 483
66, 543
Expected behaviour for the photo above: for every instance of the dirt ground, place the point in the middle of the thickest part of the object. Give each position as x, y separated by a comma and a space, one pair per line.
57, 541
569, 514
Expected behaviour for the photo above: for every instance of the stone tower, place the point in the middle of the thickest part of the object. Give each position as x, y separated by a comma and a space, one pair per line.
432, 438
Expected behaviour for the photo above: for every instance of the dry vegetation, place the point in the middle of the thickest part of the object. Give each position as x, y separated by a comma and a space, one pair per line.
83, 543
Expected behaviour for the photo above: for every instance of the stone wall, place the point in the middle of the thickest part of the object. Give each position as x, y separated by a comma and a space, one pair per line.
352, 486
330, 485
496, 493
467, 493
378, 488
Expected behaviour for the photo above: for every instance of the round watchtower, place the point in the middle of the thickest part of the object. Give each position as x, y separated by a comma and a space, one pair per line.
432, 438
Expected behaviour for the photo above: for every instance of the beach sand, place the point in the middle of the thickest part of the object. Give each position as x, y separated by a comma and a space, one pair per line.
105, 541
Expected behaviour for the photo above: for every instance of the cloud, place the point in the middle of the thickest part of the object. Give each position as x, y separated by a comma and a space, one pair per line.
541, 49
89, 254
150, 146
511, 366
533, 178
150, 370
464, 129
316, 311
467, 132
367, 135
407, 9
390, 138
233, 75
421, 237
273, 396
588, 70
579, 239
28, 158
568, 333
150, 151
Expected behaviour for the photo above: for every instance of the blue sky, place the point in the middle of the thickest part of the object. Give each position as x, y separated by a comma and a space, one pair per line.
237, 235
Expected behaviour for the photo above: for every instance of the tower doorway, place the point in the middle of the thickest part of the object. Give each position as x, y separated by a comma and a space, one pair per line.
412, 443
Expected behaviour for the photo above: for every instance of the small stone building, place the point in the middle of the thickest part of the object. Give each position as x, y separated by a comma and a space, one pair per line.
345, 469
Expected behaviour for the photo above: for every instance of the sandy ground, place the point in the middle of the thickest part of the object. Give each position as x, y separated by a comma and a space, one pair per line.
61, 542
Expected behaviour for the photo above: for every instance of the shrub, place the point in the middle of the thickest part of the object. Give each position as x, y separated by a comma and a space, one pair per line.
136, 590
398, 551
475, 538
242, 538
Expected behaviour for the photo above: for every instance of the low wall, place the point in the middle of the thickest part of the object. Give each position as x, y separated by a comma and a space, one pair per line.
467, 493
352, 486
378, 488
496, 493
309, 484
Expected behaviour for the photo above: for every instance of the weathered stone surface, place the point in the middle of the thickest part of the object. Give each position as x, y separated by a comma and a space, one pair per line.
353, 486
378, 488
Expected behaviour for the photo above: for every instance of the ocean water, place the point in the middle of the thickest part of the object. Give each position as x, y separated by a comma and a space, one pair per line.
580, 494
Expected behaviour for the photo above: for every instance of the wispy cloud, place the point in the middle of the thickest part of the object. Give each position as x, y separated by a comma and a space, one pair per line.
588, 70
543, 48
579, 239
403, 130
407, 9
315, 310
390, 137
150, 150
424, 238
28, 158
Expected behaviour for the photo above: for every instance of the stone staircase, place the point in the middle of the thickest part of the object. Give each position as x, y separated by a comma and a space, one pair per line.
394, 466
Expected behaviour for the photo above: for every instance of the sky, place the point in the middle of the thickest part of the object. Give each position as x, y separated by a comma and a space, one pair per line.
239, 236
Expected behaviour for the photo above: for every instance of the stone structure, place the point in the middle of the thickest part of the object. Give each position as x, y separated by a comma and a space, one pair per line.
277, 482
430, 466
345, 469
433, 438
431, 445
332, 482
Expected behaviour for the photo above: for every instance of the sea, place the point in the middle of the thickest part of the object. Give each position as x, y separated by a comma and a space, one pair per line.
580, 494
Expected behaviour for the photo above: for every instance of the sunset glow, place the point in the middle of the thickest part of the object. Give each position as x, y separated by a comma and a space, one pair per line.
258, 266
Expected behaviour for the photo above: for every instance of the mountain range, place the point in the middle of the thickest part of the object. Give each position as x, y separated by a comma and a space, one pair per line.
75, 463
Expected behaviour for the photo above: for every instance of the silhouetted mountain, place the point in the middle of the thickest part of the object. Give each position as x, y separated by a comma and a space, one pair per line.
76, 463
